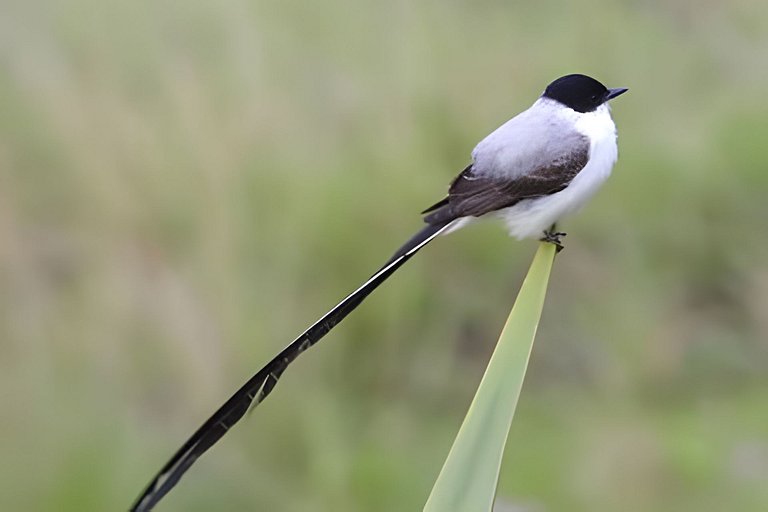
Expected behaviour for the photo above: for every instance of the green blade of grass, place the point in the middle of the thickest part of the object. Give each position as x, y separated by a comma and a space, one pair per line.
468, 480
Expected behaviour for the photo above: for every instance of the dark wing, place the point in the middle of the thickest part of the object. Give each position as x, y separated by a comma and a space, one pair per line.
472, 194
444, 201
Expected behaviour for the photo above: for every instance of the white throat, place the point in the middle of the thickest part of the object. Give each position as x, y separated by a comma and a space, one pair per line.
529, 218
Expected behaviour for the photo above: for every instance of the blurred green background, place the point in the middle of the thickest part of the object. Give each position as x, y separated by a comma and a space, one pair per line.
185, 186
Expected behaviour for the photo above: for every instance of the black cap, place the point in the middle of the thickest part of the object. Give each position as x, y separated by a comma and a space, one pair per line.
580, 92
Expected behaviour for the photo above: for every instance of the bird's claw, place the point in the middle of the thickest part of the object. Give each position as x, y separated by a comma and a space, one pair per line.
553, 237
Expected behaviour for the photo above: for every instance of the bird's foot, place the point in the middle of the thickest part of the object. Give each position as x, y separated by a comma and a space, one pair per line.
553, 237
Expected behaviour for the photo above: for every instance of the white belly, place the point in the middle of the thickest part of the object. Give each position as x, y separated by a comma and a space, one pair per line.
530, 217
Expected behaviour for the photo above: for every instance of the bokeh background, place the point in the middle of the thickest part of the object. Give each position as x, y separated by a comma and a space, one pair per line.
185, 186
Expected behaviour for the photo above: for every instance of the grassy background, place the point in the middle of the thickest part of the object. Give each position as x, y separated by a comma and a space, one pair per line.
184, 186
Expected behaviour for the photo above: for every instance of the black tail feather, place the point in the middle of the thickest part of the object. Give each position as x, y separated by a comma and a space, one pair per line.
262, 383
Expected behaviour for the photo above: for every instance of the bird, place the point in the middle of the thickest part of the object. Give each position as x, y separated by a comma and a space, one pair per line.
535, 169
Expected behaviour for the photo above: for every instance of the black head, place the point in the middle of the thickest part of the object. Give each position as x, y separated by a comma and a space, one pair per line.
580, 92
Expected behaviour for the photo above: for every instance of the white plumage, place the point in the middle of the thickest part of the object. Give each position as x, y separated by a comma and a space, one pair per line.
541, 135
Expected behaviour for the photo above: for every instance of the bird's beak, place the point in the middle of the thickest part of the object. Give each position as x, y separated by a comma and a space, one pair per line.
612, 93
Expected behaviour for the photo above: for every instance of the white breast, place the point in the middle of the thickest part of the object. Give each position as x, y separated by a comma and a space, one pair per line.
530, 217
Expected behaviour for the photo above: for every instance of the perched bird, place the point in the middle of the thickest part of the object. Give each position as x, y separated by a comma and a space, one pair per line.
532, 171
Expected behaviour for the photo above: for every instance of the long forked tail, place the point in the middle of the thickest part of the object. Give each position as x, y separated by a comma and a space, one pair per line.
260, 385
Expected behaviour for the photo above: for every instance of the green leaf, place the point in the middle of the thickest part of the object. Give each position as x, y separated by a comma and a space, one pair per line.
470, 474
